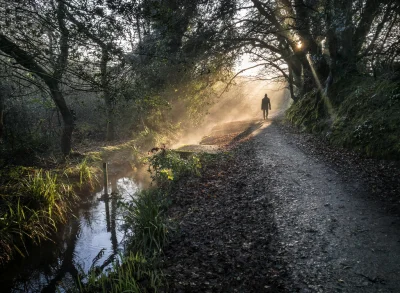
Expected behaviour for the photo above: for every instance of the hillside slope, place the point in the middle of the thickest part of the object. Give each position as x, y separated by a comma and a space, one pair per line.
362, 114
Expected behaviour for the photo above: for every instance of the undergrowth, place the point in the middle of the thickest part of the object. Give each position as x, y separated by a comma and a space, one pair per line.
365, 116
168, 165
131, 273
146, 223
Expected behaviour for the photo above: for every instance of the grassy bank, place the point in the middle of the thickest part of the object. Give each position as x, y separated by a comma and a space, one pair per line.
361, 113
34, 201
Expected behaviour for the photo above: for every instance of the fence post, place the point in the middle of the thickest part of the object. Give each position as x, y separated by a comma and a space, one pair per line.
105, 173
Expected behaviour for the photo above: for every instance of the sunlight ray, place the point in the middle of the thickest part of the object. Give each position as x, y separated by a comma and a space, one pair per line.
324, 96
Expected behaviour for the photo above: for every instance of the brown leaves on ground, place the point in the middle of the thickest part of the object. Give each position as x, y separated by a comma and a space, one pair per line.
225, 231
220, 139
381, 176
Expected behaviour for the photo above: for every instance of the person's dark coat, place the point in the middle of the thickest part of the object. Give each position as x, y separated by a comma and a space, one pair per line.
265, 103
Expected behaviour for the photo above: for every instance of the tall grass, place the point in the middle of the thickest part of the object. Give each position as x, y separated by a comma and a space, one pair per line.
45, 193
86, 175
146, 223
20, 223
33, 213
132, 273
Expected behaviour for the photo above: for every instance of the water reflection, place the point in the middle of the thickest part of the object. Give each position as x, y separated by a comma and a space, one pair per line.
90, 240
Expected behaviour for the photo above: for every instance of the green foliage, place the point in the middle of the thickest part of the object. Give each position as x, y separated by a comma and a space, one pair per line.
310, 113
133, 273
168, 165
42, 188
145, 217
367, 116
39, 204
368, 119
20, 223
26, 130
86, 174
147, 138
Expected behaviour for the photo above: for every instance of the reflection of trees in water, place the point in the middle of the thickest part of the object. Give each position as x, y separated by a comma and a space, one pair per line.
48, 264
111, 222
107, 204
67, 264
114, 194
86, 211
111, 225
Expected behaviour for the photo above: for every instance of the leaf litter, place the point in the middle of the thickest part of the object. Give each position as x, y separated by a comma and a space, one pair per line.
228, 238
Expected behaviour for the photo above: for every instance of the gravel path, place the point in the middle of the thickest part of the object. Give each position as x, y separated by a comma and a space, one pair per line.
334, 236
282, 217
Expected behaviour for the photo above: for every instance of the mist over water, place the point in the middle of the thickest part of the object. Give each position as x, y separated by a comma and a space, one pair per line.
242, 101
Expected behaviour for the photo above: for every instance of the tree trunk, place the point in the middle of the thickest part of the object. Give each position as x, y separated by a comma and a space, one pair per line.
67, 117
52, 80
5, 93
110, 130
110, 136
290, 81
346, 53
106, 48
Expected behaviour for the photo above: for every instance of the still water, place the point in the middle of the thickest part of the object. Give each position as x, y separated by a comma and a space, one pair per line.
93, 238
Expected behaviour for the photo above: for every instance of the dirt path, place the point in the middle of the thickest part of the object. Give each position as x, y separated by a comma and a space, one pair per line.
335, 237
282, 216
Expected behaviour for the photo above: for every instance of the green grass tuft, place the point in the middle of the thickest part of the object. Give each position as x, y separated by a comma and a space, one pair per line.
132, 273
146, 222
33, 212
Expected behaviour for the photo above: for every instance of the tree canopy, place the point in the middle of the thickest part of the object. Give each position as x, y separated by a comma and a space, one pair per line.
141, 55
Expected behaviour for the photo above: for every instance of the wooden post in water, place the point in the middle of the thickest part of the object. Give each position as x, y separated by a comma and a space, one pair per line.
105, 173
107, 204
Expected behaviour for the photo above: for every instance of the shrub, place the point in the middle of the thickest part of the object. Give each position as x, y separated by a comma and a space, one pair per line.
168, 165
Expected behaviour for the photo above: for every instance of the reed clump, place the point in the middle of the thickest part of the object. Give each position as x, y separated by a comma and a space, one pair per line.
133, 272
85, 175
31, 213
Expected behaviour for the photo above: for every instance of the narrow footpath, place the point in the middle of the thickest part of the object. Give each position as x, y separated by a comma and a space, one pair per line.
282, 217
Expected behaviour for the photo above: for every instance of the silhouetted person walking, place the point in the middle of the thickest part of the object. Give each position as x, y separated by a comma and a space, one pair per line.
265, 105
